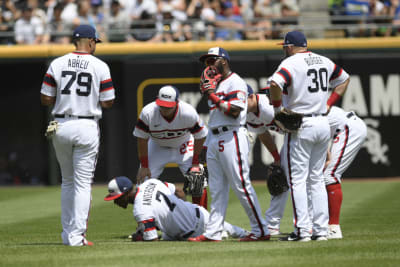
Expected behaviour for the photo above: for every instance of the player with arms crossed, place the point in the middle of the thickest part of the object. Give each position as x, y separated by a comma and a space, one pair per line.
300, 84
78, 85
228, 147
348, 133
159, 205
260, 119
170, 131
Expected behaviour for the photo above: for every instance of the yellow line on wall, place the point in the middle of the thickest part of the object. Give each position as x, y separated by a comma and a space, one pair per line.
37, 51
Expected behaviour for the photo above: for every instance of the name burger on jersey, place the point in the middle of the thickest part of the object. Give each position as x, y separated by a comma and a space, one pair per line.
78, 63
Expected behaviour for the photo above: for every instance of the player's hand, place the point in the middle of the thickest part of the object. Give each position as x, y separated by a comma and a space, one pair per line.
142, 174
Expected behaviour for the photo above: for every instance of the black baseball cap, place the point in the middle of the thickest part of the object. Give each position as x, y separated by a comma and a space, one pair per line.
295, 38
85, 31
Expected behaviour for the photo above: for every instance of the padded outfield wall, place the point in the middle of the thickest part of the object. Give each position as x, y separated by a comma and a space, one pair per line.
139, 70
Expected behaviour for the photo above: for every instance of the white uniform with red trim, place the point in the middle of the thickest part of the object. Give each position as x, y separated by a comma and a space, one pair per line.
78, 81
170, 141
227, 160
156, 207
260, 123
304, 79
348, 133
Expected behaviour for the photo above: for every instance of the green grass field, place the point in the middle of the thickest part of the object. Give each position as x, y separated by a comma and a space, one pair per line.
30, 234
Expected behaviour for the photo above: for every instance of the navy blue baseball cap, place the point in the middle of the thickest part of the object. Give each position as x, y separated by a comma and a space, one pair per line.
215, 52
117, 187
250, 90
295, 38
85, 31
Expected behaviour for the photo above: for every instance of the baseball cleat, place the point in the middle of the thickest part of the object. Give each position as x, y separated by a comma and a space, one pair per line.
319, 238
224, 235
334, 232
273, 231
294, 237
201, 238
87, 243
253, 237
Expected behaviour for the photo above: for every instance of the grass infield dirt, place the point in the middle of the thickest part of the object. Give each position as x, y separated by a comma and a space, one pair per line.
30, 233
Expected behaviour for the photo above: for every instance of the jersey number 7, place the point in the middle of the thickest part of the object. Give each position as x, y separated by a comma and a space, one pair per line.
170, 204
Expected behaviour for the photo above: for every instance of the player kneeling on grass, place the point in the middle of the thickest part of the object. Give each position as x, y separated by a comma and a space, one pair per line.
160, 206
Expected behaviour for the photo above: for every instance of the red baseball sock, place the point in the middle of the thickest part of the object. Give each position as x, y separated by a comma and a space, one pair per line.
204, 199
201, 201
335, 197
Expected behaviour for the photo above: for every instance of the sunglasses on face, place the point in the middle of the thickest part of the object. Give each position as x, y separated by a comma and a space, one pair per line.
211, 60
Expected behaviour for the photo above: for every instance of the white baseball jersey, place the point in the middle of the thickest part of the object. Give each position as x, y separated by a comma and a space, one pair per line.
78, 81
348, 132
261, 121
174, 133
157, 207
232, 89
308, 92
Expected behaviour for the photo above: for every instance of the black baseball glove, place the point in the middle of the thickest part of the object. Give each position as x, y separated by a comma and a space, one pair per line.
289, 121
276, 180
195, 181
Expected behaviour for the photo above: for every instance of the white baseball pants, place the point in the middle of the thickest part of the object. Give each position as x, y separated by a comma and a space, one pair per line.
227, 162
305, 158
344, 149
76, 144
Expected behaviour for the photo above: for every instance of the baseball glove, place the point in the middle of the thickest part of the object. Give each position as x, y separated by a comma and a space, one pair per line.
276, 180
209, 79
289, 121
195, 181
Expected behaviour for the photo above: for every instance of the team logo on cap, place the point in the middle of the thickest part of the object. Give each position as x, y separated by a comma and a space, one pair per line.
166, 96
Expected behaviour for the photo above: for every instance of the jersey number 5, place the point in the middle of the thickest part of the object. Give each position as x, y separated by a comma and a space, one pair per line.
170, 204
83, 79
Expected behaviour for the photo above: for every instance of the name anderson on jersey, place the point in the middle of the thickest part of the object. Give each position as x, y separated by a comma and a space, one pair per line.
78, 63
148, 193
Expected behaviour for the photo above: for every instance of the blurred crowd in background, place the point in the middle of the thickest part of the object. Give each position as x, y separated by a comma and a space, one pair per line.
52, 21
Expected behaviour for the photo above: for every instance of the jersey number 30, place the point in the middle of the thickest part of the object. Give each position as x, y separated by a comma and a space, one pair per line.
83, 79
319, 80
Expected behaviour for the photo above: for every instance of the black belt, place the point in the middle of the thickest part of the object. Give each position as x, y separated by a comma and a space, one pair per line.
220, 130
314, 115
198, 213
72, 116
350, 114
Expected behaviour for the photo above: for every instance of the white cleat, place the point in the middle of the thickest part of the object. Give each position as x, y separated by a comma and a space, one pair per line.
224, 235
319, 238
274, 232
334, 232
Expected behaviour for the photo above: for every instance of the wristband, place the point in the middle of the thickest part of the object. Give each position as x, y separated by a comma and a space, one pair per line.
276, 155
333, 99
144, 161
214, 98
276, 103
195, 159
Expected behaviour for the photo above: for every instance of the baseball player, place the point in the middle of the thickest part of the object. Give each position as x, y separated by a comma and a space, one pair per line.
228, 149
259, 120
78, 85
169, 130
301, 84
348, 133
158, 205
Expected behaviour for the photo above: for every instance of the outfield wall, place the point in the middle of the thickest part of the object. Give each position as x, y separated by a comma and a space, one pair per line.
138, 71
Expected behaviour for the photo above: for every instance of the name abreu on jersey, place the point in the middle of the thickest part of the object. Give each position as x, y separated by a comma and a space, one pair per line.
78, 63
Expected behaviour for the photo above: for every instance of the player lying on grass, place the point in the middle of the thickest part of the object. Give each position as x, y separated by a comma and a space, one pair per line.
160, 206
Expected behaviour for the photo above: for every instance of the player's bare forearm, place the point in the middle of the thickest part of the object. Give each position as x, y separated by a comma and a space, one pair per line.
107, 104
198, 147
144, 170
341, 88
276, 96
180, 194
234, 111
268, 141
47, 100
